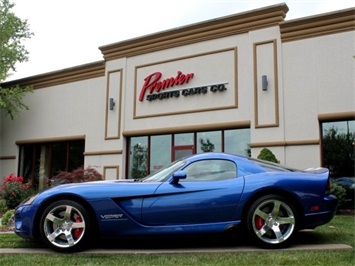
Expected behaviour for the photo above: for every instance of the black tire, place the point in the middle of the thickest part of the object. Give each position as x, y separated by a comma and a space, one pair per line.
272, 222
65, 226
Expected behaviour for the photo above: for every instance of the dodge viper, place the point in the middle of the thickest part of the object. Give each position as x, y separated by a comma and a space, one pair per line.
200, 195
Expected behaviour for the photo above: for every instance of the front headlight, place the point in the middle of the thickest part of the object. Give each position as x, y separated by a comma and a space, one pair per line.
30, 200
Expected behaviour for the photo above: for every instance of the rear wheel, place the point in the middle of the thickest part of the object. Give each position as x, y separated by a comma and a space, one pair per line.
271, 221
65, 226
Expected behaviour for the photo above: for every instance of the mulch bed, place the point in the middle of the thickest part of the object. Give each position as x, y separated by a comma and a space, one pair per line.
5, 229
346, 211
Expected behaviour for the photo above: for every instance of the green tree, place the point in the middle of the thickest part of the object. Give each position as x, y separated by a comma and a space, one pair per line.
139, 161
12, 34
206, 146
267, 155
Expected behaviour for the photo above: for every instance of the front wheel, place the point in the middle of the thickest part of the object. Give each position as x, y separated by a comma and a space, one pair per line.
271, 221
65, 226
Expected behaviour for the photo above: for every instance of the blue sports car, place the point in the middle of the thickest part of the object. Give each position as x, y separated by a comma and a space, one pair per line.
201, 195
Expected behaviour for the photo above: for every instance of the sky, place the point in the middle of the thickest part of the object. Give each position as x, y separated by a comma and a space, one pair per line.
68, 33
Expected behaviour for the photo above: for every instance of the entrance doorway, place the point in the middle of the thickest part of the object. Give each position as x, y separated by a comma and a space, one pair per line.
179, 152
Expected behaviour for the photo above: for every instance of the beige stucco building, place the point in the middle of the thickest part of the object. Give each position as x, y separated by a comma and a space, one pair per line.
162, 93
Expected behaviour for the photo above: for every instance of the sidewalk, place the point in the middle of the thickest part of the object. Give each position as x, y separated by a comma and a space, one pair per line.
180, 250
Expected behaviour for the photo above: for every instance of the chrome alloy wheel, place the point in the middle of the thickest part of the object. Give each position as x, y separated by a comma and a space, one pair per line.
64, 226
273, 221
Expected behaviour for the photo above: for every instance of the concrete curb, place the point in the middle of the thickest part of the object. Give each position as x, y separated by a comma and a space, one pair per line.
179, 250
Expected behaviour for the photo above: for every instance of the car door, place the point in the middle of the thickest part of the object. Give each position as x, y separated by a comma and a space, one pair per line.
209, 194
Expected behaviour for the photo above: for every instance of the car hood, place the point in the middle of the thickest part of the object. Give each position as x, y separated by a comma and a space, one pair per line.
102, 189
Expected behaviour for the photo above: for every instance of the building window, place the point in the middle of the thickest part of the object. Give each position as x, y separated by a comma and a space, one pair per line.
160, 152
184, 139
138, 157
338, 140
30, 161
209, 141
147, 154
40, 161
237, 141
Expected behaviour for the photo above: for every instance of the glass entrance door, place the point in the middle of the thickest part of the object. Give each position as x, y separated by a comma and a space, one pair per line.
179, 152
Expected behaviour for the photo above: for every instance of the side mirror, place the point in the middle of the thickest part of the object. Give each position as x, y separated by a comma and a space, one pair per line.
177, 176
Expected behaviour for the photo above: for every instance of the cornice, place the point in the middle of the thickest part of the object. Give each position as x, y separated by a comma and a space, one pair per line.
98, 153
77, 73
186, 129
208, 30
285, 143
54, 139
313, 26
330, 117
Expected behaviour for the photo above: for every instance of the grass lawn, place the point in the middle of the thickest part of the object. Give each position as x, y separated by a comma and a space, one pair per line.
341, 230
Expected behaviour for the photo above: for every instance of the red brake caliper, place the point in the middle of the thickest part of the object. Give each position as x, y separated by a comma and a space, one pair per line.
77, 231
259, 222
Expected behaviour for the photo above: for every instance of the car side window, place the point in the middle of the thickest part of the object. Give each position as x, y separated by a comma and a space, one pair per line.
210, 170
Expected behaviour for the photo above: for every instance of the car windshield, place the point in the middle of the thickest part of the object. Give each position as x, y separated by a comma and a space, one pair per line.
164, 173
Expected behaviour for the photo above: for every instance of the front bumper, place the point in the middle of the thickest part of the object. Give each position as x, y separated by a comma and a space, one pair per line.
25, 221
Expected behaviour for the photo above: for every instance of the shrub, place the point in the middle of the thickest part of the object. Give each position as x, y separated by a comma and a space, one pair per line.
78, 175
339, 192
6, 217
267, 155
14, 191
3, 207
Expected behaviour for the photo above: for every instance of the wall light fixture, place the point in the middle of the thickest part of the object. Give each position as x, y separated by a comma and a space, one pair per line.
264, 82
111, 104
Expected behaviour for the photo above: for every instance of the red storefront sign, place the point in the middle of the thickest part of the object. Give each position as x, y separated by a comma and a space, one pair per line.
152, 83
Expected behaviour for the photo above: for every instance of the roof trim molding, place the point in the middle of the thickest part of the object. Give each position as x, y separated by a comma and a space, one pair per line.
77, 73
314, 26
208, 30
